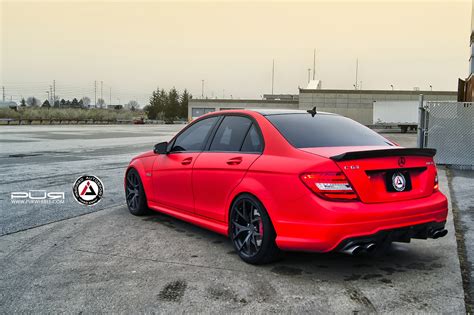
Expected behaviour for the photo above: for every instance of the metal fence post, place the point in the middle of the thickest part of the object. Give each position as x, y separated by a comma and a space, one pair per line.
421, 124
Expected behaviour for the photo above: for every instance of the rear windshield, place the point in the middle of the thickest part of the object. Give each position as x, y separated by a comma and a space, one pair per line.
304, 131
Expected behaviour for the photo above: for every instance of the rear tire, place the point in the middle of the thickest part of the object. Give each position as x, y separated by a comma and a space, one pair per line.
251, 231
135, 194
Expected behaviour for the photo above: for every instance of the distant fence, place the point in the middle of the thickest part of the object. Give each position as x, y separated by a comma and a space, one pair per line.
449, 128
17, 121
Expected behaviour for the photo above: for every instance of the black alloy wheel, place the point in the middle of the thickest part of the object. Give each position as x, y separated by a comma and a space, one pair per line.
251, 231
135, 194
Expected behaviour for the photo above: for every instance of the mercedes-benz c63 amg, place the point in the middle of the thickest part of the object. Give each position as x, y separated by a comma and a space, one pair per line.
276, 180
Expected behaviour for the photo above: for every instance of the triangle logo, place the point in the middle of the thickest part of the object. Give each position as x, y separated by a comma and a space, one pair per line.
88, 190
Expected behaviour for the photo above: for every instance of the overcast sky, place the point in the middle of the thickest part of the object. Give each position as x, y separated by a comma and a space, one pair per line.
133, 47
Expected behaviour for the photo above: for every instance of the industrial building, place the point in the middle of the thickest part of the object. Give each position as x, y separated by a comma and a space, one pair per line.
355, 104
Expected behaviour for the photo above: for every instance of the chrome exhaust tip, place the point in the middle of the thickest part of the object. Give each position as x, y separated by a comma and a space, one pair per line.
353, 250
439, 233
370, 248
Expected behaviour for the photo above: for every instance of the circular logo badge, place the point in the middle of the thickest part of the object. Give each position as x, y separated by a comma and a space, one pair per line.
88, 190
398, 182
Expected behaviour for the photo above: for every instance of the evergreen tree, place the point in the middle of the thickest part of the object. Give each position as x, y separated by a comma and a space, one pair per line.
46, 104
63, 103
171, 109
183, 105
151, 110
75, 103
23, 102
162, 102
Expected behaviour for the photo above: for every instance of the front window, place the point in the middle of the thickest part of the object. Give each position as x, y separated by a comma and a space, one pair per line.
192, 139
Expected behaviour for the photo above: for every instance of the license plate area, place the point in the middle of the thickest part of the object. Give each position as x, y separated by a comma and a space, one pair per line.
398, 181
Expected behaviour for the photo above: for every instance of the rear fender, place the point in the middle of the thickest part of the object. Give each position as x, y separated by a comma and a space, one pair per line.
253, 187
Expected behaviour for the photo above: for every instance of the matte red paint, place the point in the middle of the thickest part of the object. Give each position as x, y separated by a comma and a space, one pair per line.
200, 187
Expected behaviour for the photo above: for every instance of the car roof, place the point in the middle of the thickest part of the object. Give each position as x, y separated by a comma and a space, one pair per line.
271, 111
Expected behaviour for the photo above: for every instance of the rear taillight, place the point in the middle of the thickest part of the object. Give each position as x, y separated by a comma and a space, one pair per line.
436, 185
331, 186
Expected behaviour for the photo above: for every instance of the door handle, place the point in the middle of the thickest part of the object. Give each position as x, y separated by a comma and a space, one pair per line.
187, 161
235, 161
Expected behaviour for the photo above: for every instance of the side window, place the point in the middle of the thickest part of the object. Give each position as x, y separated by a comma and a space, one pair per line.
192, 139
231, 134
253, 141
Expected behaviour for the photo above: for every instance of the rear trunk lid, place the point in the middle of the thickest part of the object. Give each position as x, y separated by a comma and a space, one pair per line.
384, 174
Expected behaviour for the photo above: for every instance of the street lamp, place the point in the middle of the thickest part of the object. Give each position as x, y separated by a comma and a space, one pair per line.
391, 85
431, 87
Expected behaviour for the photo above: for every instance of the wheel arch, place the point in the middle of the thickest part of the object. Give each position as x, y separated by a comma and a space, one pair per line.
139, 167
255, 189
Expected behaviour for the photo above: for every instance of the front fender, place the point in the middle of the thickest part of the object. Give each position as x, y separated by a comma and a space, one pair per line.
144, 167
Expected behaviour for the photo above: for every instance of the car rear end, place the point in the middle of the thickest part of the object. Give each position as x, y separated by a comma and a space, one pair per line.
362, 191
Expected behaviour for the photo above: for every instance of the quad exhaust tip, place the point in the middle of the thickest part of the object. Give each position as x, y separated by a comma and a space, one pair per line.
370, 248
355, 250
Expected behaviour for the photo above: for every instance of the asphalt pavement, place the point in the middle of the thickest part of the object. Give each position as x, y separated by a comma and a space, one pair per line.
72, 258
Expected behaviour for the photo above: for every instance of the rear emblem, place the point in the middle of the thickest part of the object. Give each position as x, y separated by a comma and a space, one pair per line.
398, 182
401, 161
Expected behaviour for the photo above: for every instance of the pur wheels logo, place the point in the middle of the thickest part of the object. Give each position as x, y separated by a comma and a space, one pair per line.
399, 182
88, 190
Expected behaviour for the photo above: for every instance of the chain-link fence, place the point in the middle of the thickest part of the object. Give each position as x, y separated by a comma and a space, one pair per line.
449, 128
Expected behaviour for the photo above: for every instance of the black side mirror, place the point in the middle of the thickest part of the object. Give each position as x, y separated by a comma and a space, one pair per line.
161, 147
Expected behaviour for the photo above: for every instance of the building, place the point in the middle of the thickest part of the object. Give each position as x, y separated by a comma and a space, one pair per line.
355, 104
359, 104
466, 87
198, 107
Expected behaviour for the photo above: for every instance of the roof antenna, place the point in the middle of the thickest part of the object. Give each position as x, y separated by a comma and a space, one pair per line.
313, 111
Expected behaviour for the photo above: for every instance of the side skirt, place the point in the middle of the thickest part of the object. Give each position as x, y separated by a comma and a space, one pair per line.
203, 222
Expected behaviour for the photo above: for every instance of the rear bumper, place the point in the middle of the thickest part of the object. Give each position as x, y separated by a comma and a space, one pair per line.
334, 223
385, 237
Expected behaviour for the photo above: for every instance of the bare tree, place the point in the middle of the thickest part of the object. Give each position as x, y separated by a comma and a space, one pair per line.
86, 102
32, 101
132, 105
100, 102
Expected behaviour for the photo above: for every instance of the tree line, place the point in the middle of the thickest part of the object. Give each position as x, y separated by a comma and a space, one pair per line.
84, 102
168, 106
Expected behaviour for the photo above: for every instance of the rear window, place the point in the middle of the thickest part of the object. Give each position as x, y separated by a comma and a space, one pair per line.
304, 131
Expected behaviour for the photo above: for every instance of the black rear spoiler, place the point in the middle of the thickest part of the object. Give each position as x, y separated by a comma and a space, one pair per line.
383, 153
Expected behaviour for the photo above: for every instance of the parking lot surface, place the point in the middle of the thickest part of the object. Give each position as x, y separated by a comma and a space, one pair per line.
72, 258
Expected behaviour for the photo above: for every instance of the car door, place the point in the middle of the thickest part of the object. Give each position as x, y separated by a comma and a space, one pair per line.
237, 143
172, 172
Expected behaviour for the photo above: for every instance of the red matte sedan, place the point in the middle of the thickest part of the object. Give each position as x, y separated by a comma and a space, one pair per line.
277, 180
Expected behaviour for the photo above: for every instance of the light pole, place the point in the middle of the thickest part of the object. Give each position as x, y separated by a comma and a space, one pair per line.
202, 88
391, 85
431, 87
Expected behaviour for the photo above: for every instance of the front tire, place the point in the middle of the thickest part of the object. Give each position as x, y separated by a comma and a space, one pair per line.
252, 232
135, 194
